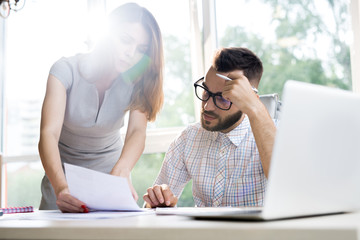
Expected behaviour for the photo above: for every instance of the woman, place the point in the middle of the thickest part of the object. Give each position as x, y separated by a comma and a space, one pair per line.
86, 98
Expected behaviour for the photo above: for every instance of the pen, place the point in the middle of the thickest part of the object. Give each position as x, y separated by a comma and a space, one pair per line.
229, 79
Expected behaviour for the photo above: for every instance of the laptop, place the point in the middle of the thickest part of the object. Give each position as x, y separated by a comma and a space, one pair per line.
315, 166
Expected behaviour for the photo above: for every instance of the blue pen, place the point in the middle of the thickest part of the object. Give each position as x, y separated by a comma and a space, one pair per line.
229, 79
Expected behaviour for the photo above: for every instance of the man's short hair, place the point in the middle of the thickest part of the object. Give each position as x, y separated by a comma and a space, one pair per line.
237, 58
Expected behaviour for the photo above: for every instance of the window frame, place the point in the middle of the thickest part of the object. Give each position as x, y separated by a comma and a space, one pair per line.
354, 9
2, 104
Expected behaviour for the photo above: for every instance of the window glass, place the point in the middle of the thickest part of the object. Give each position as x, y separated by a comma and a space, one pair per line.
36, 37
300, 40
23, 184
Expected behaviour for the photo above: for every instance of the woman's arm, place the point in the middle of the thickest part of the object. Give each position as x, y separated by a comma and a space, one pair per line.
52, 118
133, 146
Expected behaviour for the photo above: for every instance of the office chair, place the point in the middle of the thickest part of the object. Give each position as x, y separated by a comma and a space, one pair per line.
272, 104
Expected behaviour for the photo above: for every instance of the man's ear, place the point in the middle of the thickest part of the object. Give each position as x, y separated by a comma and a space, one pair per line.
254, 83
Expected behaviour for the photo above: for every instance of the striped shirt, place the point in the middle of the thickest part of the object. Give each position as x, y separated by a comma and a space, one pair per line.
225, 168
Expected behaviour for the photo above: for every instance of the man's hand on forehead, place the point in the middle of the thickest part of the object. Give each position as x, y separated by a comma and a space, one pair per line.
235, 74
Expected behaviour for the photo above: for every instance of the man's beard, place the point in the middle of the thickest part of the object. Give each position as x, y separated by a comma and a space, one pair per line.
223, 124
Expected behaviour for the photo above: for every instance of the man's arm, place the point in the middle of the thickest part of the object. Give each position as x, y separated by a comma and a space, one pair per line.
264, 131
172, 178
240, 93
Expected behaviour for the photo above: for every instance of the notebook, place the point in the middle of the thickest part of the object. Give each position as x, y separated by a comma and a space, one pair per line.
315, 166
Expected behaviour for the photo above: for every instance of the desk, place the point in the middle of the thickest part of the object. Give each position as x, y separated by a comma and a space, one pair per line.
342, 226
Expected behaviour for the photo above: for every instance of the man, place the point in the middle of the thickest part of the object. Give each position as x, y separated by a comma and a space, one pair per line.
228, 155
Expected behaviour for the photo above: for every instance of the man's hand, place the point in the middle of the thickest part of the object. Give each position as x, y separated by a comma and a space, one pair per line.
240, 92
67, 203
160, 196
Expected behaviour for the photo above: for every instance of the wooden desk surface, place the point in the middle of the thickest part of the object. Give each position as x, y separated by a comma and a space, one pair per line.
342, 226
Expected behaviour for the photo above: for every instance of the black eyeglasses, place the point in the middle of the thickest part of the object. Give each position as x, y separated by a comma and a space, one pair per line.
204, 94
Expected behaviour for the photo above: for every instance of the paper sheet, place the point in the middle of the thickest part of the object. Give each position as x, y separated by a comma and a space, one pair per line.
57, 215
99, 191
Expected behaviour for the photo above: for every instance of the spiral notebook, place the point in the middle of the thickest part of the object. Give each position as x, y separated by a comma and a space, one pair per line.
10, 210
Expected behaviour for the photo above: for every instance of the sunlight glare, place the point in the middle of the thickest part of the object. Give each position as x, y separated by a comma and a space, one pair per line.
96, 25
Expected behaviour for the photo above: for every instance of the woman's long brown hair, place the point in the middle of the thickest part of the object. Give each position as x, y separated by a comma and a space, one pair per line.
147, 95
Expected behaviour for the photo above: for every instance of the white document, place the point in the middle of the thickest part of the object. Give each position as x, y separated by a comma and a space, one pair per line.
57, 215
100, 191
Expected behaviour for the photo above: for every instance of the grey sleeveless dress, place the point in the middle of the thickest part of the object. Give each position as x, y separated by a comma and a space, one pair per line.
89, 137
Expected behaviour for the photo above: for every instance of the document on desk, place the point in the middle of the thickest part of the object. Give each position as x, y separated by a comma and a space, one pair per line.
59, 216
100, 191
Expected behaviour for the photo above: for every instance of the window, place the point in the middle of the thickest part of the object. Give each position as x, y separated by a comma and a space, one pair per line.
36, 37
300, 40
